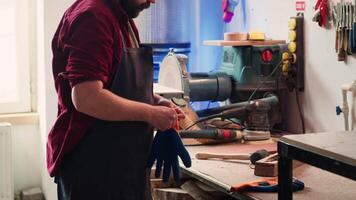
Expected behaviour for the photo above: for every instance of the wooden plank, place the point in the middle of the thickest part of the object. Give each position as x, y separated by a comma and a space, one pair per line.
171, 194
242, 43
268, 167
193, 190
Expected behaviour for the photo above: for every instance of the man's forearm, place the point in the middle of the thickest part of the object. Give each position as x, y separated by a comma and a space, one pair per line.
108, 106
103, 104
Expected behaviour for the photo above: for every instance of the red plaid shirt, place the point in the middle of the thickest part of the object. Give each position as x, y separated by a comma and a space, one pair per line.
86, 46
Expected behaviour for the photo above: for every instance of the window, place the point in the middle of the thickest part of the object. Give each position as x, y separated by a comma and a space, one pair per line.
15, 56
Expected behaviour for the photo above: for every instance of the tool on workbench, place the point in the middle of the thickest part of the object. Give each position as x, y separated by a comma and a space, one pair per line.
265, 185
267, 167
253, 157
216, 134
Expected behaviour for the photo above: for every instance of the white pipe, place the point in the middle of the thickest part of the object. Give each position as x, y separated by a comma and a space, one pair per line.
353, 108
345, 105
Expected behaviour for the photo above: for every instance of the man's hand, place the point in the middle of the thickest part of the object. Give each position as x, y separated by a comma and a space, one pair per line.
163, 117
165, 102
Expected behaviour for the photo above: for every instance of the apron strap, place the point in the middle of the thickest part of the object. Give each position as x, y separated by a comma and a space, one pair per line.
133, 36
123, 40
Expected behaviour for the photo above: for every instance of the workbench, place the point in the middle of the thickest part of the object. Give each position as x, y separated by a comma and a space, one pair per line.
222, 175
334, 152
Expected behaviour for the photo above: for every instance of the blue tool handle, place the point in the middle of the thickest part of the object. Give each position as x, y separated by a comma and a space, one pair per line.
353, 38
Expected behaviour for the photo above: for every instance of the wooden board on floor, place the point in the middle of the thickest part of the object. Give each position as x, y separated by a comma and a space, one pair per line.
171, 194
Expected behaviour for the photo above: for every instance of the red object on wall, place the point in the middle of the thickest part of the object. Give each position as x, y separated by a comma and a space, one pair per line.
322, 6
300, 6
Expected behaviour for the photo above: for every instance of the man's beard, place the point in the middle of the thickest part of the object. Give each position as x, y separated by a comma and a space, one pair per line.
132, 11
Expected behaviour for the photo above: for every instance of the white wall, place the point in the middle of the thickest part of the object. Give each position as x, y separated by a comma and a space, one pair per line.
323, 73
26, 157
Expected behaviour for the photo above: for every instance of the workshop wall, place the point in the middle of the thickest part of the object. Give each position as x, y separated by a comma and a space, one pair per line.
324, 75
206, 24
26, 157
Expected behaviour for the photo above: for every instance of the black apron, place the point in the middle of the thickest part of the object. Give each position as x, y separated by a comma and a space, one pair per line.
109, 163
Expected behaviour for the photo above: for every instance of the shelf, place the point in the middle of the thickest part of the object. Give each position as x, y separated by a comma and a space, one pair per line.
242, 43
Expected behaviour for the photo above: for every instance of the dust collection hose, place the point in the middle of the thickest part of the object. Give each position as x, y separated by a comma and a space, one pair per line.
210, 87
269, 98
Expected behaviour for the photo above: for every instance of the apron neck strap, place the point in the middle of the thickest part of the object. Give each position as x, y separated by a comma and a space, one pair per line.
133, 36
123, 40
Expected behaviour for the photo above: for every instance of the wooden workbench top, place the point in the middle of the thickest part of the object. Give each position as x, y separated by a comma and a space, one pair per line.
242, 43
222, 175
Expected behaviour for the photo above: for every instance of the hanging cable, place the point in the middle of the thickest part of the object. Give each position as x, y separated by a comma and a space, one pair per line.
264, 80
300, 110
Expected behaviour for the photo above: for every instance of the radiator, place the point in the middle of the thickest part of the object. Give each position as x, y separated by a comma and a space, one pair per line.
6, 176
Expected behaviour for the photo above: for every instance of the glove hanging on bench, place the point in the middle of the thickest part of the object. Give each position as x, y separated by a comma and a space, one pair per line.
166, 147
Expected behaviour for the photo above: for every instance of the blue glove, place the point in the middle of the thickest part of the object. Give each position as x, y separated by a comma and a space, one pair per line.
166, 148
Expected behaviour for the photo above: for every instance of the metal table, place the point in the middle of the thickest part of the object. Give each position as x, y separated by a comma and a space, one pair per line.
334, 152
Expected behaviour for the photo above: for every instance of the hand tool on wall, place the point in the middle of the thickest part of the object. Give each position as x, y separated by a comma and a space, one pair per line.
352, 36
257, 155
338, 26
321, 13
341, 32
228, 7
349, 26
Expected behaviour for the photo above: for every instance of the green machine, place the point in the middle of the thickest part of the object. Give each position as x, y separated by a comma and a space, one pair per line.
252, 81
249, 66
254, 74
